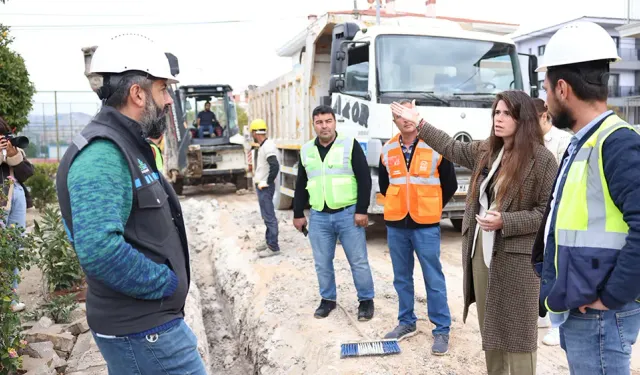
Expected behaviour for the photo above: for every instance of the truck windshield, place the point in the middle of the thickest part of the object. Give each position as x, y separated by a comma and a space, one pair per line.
446, 66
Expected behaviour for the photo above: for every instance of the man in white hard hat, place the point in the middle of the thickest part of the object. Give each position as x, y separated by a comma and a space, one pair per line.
587, 252
124, 219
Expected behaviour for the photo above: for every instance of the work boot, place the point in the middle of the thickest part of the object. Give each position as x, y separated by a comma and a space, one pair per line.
365, 310
440, 344
324, 309
402, 331
268, 253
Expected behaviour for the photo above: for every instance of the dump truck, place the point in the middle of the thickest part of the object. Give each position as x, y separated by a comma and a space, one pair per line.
359, 68
188, 159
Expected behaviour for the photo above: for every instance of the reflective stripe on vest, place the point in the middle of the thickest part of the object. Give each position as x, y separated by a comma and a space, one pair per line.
414, 191
331, 180
157, 154
589, 227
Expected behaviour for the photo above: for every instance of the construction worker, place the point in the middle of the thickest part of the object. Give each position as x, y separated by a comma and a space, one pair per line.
267, 168
124, 220
417, 183
333, 177
157, 152
587, 250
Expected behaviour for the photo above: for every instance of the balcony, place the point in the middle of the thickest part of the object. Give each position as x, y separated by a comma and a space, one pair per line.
629, 54
623, 91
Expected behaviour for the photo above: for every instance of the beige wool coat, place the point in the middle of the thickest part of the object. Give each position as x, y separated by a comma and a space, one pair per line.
512, 294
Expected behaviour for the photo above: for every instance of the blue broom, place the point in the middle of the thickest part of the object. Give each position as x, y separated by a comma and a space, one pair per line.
369, 347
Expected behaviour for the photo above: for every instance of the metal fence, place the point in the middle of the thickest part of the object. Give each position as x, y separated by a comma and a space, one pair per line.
56, 117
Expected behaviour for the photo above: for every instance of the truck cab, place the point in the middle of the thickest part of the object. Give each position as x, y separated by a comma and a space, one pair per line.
452, 74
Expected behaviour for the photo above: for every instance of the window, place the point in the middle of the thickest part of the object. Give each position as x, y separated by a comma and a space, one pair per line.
356, 75
445, 66
541, 49
616, 41
614, 86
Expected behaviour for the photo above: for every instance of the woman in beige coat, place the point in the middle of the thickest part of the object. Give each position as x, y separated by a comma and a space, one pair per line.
512, 177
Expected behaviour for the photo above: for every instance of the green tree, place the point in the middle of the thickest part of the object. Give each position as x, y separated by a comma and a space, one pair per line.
243, 118
16, 89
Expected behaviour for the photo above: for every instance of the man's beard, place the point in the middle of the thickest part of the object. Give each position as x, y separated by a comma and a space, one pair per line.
154, 119
563, 119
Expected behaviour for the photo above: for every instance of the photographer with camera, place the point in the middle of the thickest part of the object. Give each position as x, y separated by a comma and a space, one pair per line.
14, 169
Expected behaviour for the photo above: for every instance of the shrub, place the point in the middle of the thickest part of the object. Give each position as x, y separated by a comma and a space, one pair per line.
41, 185
59, 309
57, 259
16, 251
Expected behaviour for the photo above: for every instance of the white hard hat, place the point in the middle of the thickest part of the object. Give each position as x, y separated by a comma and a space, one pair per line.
578, 42
129, 52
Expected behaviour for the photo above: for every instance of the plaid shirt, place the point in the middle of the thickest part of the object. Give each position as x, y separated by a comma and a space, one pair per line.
407, 150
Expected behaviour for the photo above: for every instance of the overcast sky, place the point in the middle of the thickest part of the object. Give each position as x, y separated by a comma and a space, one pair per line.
240, 53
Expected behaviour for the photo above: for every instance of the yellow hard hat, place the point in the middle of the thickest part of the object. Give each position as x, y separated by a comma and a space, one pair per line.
258, 124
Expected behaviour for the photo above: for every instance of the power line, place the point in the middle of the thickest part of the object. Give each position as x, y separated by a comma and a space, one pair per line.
70, 15
62, 27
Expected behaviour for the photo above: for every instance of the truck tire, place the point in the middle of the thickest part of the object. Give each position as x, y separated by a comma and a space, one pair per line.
281, 201
178, 186
457, 224
241, 183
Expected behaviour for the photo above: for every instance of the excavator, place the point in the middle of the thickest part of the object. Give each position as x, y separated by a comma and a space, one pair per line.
219, 156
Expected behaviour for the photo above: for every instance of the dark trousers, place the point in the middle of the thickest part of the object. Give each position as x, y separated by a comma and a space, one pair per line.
268, 212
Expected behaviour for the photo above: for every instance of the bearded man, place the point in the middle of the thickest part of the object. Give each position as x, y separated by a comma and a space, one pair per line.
124, 220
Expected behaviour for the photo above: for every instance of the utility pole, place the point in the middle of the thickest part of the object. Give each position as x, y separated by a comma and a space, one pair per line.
55, 103
377, 12
628, 11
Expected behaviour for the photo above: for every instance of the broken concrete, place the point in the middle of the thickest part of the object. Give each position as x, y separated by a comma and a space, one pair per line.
44, 322
193, 318
62, 341
85, 357
78, 327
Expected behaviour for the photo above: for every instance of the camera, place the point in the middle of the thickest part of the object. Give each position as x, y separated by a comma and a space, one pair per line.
19, 141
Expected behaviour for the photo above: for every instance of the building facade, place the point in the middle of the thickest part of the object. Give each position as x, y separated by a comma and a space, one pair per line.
624, 81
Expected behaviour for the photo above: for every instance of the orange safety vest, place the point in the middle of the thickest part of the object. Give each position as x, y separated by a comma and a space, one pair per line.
416, 191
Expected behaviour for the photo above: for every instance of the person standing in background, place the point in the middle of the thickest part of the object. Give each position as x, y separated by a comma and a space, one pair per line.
555, 140
267, 168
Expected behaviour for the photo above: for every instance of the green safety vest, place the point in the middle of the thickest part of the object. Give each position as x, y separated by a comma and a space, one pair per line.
332, 180
158, 155
589, 228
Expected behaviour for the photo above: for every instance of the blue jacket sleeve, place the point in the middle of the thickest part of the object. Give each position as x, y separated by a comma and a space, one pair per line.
621, 161
100, 191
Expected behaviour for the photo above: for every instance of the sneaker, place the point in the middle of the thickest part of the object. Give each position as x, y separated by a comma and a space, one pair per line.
365, 310
17, 307
402, 332
552, 338
544, 322
440, 345
261, 246
324, 309
268, 253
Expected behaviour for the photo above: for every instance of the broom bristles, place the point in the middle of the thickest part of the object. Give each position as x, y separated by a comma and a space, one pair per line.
368, 348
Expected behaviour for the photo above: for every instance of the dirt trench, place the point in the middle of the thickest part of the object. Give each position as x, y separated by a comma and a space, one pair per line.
258, 313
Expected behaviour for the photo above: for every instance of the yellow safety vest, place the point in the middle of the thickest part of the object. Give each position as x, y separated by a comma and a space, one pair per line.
589, 227
332, 180
157, 155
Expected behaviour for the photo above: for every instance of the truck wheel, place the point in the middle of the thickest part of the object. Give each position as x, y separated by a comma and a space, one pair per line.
281, 201
457, 224
241, 183
178, 185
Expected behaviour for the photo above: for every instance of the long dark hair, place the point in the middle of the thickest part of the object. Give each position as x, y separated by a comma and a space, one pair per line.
4, 127
528, 134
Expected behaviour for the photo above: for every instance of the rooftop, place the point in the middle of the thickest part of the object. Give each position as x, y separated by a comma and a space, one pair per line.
531, 32
383, 13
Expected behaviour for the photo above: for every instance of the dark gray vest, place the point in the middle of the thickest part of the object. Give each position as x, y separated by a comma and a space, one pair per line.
155, 228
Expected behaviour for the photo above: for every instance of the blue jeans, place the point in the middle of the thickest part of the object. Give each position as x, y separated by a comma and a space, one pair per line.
599, 342
324, 230
426, 244
268, 212
201, 129
173, 351
17, 215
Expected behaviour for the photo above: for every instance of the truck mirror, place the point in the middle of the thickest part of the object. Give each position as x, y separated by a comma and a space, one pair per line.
341, 56
529, 80
340, 84
173, 63
336, 84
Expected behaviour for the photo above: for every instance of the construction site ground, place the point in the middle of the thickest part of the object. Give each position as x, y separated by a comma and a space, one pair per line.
258, 313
